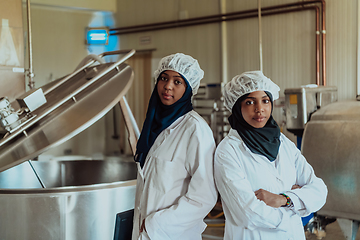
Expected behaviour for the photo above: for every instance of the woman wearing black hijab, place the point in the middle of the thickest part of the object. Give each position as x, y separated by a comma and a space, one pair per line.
265, 183
175, 186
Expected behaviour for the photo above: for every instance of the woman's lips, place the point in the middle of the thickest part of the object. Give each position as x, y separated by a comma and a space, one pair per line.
259, 119
167, 96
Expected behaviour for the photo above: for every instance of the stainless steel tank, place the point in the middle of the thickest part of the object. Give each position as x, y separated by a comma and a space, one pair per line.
80, 201
331, 145
65, 199
73, 103
301, 103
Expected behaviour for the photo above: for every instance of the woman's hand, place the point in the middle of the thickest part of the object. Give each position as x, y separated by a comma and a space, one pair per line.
270, 199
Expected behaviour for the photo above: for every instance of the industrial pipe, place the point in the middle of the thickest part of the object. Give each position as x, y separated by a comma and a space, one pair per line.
323, 31
191, 22
358, 56
224, 45
298, 6
260, 36
317, 32
31, 74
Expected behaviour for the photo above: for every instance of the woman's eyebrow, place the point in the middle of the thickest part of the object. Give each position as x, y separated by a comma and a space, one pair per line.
177, 75
173, 76
253, 98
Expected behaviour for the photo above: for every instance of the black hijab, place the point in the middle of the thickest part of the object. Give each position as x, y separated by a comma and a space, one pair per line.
265, 140
158, 118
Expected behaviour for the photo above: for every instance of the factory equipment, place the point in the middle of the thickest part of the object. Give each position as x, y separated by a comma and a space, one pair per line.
72, 199
209, 103
80, 201
301, 103
331, 145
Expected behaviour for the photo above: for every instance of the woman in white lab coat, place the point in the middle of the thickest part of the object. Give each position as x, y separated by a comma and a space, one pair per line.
175, 186
265, 183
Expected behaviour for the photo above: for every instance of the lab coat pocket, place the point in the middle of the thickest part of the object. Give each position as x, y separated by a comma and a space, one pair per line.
230, 172
167, 174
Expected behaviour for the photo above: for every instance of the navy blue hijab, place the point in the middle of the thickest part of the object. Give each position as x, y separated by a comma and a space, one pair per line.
158, 118
265, 140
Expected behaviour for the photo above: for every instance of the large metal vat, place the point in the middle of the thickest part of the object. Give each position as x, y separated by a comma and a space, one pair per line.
331, 145
80, 201
65, 200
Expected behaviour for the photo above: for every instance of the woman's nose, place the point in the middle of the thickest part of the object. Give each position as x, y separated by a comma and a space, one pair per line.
259, 108
168, 85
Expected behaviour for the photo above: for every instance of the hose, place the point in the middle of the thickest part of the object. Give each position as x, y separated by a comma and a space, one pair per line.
215, 217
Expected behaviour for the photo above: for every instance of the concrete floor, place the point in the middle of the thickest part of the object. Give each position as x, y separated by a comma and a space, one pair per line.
333, 232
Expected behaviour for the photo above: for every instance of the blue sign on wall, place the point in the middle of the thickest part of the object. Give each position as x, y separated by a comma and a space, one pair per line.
98, 36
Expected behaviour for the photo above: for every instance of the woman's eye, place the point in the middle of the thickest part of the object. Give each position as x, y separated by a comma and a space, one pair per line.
177, 82
266, 100
249, 102
163, 78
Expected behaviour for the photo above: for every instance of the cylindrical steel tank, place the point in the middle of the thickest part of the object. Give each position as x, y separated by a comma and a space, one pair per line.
80, 201
331, 145
65, 200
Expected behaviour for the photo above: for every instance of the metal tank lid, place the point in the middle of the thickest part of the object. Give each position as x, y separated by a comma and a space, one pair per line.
73, 103
348, 110
309, 89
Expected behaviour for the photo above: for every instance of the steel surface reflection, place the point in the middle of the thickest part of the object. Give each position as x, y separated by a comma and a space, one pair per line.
331, 145
71, 107
80, 201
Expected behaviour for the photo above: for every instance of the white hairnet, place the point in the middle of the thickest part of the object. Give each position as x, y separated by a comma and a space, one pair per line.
187, 66
245, 83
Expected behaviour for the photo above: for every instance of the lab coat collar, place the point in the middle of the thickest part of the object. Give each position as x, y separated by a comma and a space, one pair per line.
233, 134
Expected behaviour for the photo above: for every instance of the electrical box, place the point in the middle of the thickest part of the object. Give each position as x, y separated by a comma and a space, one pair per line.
32, 99
301, 102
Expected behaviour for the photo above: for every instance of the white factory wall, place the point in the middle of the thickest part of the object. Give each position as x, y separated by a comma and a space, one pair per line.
93, 5
202, 41
288, 41
58, 41
288, 44
11, 49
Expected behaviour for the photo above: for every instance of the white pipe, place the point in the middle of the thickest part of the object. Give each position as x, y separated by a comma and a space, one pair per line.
93, 59
260, 35
358, 53
132, 119
31, 74
224, 46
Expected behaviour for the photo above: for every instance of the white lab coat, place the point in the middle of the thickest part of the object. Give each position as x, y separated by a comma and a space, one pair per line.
239, 173
175, 189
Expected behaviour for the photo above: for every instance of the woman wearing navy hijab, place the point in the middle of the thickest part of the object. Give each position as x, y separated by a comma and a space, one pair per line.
175, 186
266, 184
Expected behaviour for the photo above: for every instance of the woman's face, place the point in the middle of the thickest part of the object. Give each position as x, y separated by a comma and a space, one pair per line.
256, 109
171, 87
